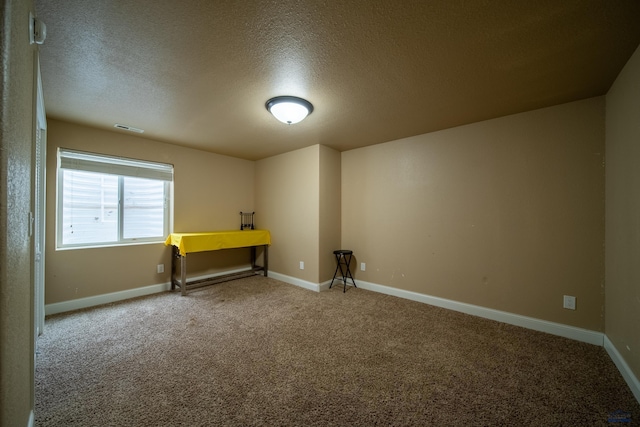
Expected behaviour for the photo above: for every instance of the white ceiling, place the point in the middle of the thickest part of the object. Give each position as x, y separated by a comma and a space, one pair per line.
198, 72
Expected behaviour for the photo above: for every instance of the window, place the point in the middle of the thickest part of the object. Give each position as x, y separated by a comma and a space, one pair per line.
105, 200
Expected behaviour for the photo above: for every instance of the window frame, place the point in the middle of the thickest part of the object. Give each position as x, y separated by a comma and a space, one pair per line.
121, 167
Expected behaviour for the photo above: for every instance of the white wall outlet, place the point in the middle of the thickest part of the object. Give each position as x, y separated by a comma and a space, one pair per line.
363, 266
160, 268
301, 265
569, 302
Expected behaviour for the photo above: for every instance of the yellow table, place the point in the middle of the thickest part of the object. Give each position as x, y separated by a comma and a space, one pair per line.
184, 243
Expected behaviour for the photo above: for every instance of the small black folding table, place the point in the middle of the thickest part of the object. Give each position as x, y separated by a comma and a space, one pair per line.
343, 257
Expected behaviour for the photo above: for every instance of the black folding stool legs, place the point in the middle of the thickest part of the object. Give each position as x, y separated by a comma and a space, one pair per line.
343, 257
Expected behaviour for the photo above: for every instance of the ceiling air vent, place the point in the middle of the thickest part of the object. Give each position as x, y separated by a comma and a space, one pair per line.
129, 128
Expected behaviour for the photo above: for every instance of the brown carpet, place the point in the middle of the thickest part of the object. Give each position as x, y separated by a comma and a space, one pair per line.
259, 352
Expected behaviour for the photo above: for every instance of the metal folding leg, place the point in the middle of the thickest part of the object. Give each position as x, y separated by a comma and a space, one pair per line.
343, 257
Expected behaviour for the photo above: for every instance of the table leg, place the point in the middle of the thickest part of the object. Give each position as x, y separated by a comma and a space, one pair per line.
183, 275
266, 260
253, 257
174, 266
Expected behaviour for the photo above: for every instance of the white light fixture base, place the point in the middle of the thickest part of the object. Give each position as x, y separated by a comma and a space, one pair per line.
289, 109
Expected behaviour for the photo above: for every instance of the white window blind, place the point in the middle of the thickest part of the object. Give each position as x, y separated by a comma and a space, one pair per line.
143, 208
77, 160
105, 200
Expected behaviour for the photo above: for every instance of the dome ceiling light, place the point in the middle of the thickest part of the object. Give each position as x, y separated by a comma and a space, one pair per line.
289, 109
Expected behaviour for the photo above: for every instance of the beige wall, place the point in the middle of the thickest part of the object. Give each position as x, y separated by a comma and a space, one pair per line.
287, 203
623, 214
330, 211
210, 191
506, 214
17, 124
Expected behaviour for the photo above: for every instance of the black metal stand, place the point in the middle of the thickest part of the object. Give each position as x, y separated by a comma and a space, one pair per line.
246, 220
343, 257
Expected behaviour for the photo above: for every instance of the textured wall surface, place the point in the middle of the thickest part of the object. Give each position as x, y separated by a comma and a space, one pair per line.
623, 211
287, 202
16, 139
330, 211
210, 190
505, 214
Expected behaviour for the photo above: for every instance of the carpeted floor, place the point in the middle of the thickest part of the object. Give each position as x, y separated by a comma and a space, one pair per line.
259, 352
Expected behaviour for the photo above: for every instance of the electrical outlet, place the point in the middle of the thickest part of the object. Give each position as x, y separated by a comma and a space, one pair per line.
363, 266
569, 302
301, 265
160, 268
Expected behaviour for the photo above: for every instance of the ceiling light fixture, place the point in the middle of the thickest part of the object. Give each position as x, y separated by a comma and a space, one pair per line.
289, 109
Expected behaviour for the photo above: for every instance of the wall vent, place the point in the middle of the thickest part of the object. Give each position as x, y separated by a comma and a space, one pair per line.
129, 128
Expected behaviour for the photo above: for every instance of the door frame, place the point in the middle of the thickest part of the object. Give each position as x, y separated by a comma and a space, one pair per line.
39, 202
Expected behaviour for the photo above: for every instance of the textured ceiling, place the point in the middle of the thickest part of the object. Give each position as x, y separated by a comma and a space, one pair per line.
198, 73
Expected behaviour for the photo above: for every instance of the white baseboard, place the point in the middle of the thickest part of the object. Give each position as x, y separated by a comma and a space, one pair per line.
566, 331
625, 370
295, 281
77, 304
578, 334
32, 419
